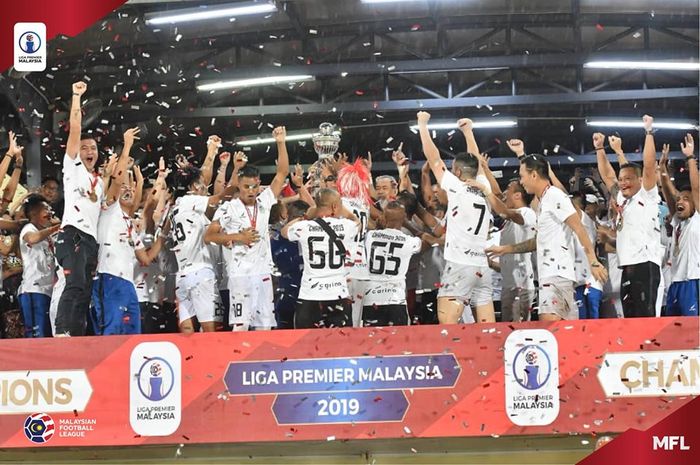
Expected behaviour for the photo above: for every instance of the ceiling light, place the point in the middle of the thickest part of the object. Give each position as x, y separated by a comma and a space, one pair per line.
630, 123
660, 65
270, 140
199, 14
253, 82
494, 123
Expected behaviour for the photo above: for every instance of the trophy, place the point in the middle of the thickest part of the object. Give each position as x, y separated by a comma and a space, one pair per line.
326, 140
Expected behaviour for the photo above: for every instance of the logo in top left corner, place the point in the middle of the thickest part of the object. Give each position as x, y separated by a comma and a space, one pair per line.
30, 46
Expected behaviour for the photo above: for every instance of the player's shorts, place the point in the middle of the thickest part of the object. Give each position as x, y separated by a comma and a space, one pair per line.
196, 295
557, 296
682, 298
516, 304
466, 282
385, 315
252, 302
323, 314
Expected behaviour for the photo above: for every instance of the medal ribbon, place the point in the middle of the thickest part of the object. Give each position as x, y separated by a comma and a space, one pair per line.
253, 219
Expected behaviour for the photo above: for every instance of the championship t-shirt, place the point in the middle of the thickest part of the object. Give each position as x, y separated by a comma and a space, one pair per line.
325, 271
80, 210
117, 241
388, 252
356, 257
189, 222
516, 269
685, 251
639, 232
38, 270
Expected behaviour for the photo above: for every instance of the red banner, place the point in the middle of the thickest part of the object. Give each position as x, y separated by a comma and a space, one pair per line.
421, 381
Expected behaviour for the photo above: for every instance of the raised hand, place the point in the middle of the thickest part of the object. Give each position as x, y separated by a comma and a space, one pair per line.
79, 88
213, 143
423, 117
398, 156
225, 158
516, 146
129, 136
615, 143
181, 161
138, 175
663, 161
598, 140
465, 124
688, 148
298, 175
648, 122
368, 161
280, 134
239, 160
14, 149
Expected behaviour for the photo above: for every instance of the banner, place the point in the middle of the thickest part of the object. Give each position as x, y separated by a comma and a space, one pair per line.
365, 383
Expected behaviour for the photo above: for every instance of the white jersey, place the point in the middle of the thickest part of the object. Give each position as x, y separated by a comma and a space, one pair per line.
468, 217
389, 252
80, 211
581, 265
148, 280
357, 259
234, 217
685, 254
325, 273
639, 240
555, 240
516, 269
189, 222
38, 260
117, 241
496, 276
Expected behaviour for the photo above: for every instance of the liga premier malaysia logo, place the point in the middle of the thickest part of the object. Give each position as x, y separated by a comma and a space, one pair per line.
30, 47
532, 367
39, 428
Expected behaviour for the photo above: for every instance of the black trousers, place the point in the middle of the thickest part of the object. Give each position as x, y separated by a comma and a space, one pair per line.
385, 315
323, 314
76, 252
638, 290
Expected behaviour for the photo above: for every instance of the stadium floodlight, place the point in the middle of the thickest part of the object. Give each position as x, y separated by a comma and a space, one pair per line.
199, 14
255, 82
637, 123
489, 123
658, 65
269, 140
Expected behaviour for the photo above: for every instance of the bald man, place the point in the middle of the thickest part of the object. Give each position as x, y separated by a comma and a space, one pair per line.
389, 252
324, 300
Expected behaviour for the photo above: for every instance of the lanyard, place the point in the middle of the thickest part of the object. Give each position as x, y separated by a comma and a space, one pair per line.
254, 218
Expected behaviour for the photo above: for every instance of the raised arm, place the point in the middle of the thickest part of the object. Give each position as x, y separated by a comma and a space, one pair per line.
298, 181
667, 186
9, 193
12, 150
75, 120
207, 168
605, 169
118, 176
467, 127
517, 147
220, 181
35, 237
138, 190
432, 154
555, 180
597, 270
280, 135
616, 144
688, 149
649, 155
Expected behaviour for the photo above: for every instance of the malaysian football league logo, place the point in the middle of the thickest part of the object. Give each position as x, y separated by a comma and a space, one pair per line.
156, 379
39, 428
532, 367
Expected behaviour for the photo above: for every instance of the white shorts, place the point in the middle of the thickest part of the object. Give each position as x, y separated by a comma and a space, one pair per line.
557, 296
466, 282
196, 294
252, 302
